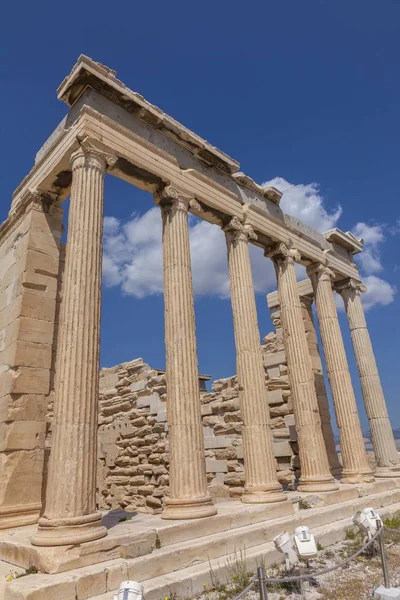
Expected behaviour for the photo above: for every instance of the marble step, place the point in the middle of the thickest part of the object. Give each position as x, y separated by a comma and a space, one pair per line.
188, 582
191, 557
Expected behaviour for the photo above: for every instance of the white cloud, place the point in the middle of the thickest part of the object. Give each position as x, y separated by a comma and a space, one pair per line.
111, 225
133, 257
373, 236
132, 254
306, 203
378, 292
133, 250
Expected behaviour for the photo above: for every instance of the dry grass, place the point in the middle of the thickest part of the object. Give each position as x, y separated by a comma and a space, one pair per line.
356, 581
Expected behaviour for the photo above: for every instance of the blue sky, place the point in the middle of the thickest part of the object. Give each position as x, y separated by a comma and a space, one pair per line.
307, 92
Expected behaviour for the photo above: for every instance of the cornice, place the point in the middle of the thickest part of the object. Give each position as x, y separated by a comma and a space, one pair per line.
269, 192
87, 73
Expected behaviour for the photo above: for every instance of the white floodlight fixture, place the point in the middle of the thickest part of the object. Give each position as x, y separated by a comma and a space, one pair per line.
130, 590
305, 543
368, 521
284, 543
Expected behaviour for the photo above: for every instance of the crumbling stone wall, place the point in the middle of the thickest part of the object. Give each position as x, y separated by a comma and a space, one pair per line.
222, 425
133, 437
133, 432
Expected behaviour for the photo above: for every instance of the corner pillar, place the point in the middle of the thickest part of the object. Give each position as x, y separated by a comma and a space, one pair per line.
355, 463
261, 482
29, 267
385, 450
70, 515
315, 473
188, 494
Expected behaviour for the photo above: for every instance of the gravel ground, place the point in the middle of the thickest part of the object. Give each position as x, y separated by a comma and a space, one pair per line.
357, 581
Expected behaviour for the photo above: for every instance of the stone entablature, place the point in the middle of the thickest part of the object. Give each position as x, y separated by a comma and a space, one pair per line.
100, 109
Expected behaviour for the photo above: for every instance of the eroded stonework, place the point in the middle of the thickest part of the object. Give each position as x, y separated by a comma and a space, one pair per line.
133, 457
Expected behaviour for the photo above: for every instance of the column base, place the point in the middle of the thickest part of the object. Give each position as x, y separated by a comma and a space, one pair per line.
355, 478
263, 495
195, 508
69, 531
323, 484
386, 472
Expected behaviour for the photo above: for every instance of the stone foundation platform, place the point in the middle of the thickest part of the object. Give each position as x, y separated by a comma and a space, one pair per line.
169, 556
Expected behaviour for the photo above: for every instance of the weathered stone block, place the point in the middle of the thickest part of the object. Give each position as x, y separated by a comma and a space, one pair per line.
30, 354
20, 471
273, 372
22, 435
216, 466
279, 411
277, 423
44, 242
162, 416
24, 380
154, 502
220, 441
27, 329
282, 449
31, 305
115, 574
90, 582
275, 396
228, 429
274, 359
281, 433
137, 480
137, 386
28, 407
42, 587
235, 479
290, 424
233, 417
152, 401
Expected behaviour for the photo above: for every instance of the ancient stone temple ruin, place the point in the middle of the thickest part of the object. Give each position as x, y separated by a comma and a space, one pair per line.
223, 468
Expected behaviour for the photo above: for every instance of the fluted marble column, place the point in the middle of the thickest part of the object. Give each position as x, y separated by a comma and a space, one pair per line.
188, 494
322, 397
354, 457
70, 515
261, 482
315, 473
386, 454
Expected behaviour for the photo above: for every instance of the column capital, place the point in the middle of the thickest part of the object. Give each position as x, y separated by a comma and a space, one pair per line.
239, 231
92, 154
172, 197
322, 271
280, 252
350, 285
